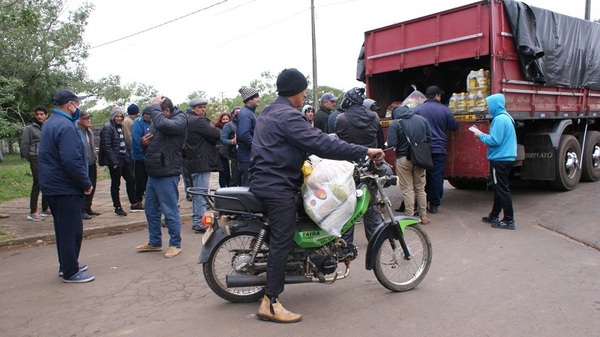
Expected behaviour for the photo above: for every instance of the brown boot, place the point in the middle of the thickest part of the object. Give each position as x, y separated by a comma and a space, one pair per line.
276, 312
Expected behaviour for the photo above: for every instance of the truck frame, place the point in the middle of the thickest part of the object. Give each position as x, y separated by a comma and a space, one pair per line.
557, 127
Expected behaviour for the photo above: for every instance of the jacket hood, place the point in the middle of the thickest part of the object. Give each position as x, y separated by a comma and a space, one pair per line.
402, 112
359, 116
495, 104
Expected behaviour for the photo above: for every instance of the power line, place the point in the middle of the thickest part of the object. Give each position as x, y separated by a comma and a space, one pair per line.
159, 25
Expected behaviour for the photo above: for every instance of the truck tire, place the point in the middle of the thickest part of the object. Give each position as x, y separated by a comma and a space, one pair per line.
567, 164
590, 170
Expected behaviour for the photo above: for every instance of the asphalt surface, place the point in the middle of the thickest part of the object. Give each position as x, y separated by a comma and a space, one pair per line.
20, 232
538, 280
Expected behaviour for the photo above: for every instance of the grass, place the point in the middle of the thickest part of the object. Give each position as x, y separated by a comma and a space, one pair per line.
16, 180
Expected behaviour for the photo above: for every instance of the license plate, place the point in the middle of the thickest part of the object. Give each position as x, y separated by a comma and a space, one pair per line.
207, 235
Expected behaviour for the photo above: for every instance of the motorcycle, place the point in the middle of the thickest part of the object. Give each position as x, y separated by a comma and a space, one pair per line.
236, 244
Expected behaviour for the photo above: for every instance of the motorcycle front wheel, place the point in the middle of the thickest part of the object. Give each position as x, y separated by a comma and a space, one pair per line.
233, 256
393, 270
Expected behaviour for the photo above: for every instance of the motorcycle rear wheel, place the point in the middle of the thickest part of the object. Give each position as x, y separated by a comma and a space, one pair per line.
233, 251
396, 273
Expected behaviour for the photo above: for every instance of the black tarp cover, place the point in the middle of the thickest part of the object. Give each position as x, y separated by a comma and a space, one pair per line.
555, 49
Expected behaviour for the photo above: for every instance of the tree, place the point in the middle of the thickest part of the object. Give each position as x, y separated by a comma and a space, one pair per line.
40, 52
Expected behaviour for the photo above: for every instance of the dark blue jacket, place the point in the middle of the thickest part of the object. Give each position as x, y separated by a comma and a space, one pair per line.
139, 128
245, 133
62, 159
282, 140
440, 120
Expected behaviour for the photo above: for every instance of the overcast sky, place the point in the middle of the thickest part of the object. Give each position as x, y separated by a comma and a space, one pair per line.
219, 45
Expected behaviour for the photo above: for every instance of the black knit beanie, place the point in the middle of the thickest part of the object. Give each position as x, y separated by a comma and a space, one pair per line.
290, 82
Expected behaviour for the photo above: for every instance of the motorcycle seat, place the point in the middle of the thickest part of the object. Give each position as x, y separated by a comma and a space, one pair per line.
237, 199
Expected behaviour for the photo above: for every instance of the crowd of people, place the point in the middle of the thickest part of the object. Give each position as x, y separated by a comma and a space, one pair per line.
153, 151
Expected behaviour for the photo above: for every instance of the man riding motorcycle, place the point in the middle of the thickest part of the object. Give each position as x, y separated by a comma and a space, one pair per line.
282, 140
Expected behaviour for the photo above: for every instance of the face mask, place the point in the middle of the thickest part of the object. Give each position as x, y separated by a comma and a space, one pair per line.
76, 114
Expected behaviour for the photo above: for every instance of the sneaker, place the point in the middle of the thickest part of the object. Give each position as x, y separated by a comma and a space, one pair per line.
137, 207
490, 219
148, 248
433, 209
120, 212
82, 267
46, 213
80, 277
86, 216
504, 224
35, 217
172, 251
92, 213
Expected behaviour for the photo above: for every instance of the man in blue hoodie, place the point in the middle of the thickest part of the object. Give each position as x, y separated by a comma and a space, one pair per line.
502, 151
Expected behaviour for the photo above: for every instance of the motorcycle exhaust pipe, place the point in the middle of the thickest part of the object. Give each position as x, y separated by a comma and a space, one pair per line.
236, 281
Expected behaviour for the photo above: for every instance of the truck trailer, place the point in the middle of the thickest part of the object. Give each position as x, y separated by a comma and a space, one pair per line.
546, 64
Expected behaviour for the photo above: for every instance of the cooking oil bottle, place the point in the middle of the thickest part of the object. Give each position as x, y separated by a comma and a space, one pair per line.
482, 81
472, 83
470, 104
461, 103
452, 102
480, 102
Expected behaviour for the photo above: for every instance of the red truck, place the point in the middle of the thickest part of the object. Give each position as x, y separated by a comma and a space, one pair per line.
546, 64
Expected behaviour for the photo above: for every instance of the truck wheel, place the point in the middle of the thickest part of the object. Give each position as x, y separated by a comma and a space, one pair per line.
591, 157
567, 164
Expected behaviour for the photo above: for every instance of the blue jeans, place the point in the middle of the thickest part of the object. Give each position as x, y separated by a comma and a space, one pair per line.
199, 205
244, 166
162, 196
434, 187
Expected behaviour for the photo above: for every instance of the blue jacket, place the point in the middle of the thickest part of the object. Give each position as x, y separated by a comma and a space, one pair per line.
282, 140
245, 133
62, 159
138, 129
440, 120
228, 133
502, 140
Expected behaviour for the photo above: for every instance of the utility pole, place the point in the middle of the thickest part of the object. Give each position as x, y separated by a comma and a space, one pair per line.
588, 4
314, 53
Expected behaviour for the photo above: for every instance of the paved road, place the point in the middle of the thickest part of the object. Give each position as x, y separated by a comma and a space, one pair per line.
534, 281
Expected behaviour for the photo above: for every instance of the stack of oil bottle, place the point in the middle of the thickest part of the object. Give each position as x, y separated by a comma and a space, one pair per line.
478, 88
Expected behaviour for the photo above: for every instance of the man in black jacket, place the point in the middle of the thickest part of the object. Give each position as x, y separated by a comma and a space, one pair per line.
113, 153
282, 139
357, 125
201, 155
163, 164
322, 116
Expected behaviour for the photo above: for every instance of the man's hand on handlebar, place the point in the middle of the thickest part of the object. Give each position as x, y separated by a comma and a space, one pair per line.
375, 155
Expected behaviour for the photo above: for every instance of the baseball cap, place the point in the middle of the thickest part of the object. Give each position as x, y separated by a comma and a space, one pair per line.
64, 96
434, 90
328, 97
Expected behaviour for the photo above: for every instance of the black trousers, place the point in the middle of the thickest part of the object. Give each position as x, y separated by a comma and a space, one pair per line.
124, 169
87, 199
68, 228
502, 198
35, 188
141, 179
281, 213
